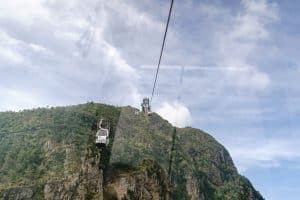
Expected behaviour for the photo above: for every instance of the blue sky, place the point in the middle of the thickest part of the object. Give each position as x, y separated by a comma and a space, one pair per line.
240, 79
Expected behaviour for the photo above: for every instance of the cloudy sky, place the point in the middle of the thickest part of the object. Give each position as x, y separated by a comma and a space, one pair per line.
230, 68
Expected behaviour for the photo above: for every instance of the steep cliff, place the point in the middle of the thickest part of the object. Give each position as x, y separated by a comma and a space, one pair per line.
147, 181
50, 154
197, 166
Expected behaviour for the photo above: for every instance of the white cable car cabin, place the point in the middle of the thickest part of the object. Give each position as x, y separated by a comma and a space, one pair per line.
102, 136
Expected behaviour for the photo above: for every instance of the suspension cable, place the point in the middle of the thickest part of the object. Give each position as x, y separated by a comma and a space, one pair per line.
161, 51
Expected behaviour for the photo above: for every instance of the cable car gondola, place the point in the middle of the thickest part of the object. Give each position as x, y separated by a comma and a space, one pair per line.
102, 136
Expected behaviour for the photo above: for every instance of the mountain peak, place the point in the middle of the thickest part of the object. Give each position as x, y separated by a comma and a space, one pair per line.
51, 154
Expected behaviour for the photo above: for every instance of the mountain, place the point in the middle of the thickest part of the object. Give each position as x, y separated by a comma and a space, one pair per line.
50, 153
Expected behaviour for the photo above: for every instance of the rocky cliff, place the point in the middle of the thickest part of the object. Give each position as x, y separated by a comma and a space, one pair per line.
50, 154
147, 181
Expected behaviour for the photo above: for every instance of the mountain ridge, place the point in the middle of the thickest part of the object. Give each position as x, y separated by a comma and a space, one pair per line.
61, 160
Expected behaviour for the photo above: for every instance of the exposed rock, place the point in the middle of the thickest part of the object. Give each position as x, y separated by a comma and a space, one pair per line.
87, 184
193, 189
19, 193
147, 182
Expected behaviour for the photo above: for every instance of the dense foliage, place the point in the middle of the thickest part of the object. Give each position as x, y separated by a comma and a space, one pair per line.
199, 163
40, 145
34, 143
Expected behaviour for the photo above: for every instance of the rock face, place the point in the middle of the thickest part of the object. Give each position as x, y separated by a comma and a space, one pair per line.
198, 167
148, 181
87, 184
20, 193
50, 154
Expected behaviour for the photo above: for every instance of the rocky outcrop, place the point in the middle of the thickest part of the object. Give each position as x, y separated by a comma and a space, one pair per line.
146, 182
193, 189
87, 184
18, 193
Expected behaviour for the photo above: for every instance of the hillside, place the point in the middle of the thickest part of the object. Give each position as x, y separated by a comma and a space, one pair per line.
50, 154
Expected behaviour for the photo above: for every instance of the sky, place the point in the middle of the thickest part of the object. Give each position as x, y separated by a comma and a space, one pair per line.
230, 68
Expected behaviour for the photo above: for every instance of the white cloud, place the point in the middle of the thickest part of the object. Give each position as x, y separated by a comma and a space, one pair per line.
249, 28
8, 49
134, 17
252, 24
251, 78
15, 100
24, 11
257, 151
37, 48
49, 59
176, 113
10, 56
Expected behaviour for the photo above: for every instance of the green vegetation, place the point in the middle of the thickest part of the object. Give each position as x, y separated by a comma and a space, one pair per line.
47, 145
198, 159
44, 144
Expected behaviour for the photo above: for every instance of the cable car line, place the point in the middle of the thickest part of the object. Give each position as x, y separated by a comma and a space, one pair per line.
162, 49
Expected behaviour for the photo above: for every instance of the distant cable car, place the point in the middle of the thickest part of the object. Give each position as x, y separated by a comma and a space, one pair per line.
102, 136
146, 109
